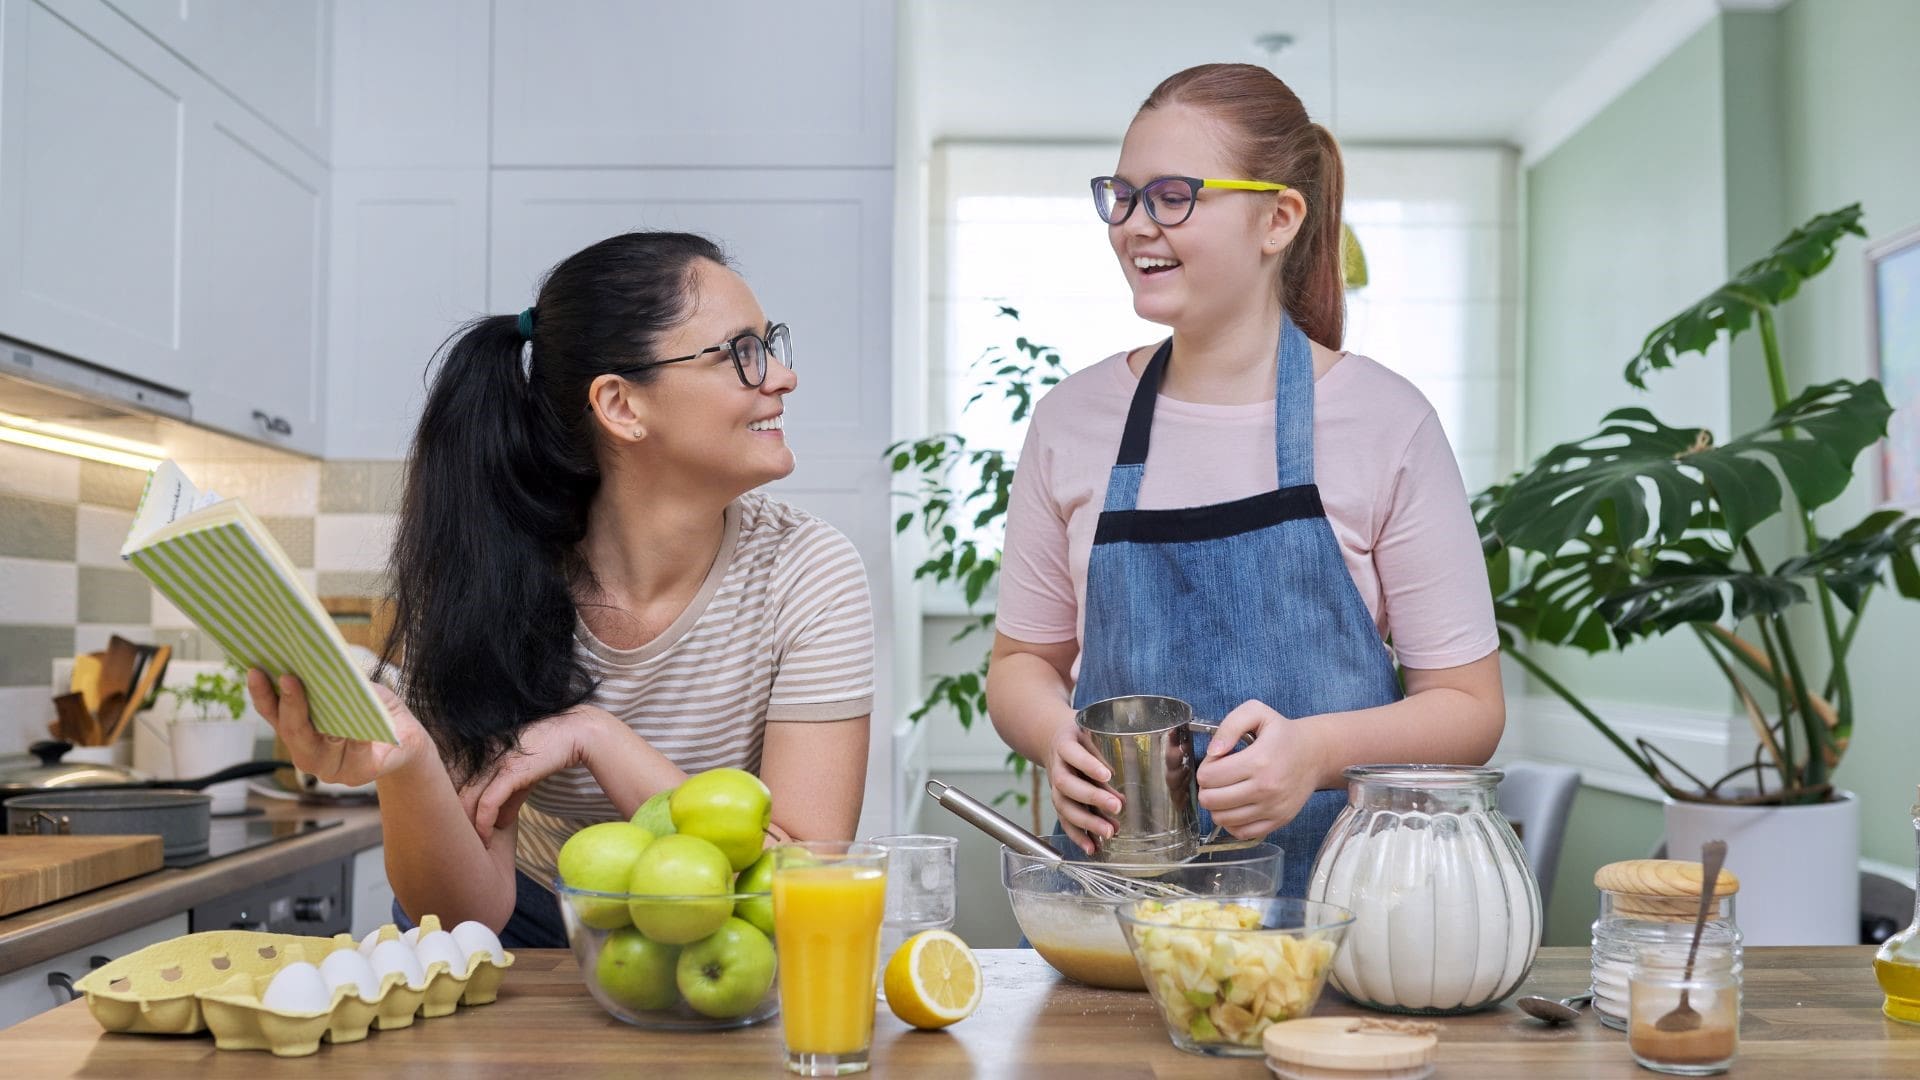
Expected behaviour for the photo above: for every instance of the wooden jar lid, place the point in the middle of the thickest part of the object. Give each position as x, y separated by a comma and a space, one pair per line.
1352, 1043
1661, 889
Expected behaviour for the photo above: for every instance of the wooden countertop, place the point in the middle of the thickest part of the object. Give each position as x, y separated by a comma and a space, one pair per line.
47, 931
1809, 1012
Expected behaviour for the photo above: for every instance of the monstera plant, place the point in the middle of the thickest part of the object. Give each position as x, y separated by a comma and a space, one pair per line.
1644, 528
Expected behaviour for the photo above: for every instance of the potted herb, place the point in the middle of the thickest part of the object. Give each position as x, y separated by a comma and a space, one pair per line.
1643, 528
210, 731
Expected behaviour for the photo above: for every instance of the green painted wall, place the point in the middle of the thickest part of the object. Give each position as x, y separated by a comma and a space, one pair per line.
1625, 225
1757, 123
1845, 65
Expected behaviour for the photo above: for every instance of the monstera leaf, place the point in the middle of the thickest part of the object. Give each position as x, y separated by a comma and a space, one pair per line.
1732, 307
1695, 591
1575, 483
1854, 561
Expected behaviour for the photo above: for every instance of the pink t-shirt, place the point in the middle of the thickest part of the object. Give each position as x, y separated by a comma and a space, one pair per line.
1387, 478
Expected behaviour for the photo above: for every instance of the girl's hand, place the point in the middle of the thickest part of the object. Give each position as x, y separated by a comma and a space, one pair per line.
1076, 775
1252, 792
563, 741
329, 757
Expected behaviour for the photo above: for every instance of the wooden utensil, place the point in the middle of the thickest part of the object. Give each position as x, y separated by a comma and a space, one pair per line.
151, 672
74, 717
1683, 1017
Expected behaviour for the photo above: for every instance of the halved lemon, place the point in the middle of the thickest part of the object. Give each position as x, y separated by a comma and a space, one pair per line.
933, 980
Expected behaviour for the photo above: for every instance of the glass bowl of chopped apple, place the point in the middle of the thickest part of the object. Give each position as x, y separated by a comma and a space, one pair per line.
1224, 969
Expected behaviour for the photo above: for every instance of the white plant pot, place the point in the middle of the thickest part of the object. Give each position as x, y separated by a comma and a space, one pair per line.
207, 746
1799, 866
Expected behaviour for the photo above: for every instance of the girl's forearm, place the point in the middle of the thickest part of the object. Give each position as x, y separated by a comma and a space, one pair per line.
1028, 702
1441, 725
626, 766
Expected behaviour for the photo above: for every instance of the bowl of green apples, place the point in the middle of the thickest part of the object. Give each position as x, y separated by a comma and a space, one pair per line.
672, 925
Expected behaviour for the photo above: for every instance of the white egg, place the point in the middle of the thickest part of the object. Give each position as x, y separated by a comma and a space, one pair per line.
373, 938
477, 937
346, 967
298, 988
411, 937
396, 956
440, 947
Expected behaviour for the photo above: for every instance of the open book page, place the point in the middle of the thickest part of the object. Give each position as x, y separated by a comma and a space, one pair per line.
222, 568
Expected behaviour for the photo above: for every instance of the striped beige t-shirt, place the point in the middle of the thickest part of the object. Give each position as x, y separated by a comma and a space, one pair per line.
781, 630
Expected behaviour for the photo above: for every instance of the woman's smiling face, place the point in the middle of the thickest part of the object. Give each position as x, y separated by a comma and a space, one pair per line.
1212, 266
700, 417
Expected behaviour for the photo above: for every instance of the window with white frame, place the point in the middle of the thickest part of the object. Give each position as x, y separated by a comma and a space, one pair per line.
1015, 225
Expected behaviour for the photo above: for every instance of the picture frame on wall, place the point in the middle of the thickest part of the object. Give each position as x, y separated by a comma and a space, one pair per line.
1893, 348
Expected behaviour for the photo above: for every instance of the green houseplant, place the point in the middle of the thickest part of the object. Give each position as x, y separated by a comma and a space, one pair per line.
959, 495
1643, 528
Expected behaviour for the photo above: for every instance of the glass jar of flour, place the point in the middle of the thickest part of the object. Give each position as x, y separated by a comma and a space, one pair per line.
1446, 912
1652, 903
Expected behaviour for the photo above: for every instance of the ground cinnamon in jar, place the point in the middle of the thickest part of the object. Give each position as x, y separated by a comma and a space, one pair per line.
1708, 1044
1664, 985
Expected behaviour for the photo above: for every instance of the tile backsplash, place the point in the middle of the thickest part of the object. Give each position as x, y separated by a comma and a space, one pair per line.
64, 589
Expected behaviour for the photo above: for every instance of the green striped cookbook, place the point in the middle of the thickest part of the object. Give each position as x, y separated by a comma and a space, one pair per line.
220, 566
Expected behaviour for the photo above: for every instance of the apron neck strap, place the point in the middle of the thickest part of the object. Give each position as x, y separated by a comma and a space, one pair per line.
1292, 407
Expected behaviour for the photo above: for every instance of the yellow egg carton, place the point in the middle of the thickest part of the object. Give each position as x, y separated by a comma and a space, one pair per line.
216, 981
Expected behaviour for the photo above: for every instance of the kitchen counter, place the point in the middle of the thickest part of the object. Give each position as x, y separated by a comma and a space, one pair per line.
1809, 1012
30, 936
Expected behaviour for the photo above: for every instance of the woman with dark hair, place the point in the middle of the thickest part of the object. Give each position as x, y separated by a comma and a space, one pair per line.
591, 601
1241, 515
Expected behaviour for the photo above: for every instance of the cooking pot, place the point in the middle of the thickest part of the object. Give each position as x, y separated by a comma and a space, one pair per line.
56, 798
52, 774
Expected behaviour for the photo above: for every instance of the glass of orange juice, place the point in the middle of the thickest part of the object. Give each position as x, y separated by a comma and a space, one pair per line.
828, 898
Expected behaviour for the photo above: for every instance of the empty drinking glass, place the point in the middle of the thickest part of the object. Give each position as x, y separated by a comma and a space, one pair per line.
919, 887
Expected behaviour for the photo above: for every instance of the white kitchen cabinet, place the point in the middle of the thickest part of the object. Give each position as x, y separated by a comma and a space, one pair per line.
274, 56
731, 83
410, 84
372, 896
816, 245
409, 259
29, 991
256, 281
95, 213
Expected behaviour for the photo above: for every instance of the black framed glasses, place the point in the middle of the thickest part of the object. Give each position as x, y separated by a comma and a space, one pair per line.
1169, 199
748, 350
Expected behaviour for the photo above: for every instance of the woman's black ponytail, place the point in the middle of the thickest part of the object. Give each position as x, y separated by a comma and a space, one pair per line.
485, 564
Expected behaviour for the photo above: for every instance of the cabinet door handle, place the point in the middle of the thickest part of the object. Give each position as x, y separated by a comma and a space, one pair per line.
61, 984
276, 425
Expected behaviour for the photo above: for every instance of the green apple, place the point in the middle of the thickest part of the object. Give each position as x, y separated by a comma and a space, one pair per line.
730, 807
600, 858
727, 973
680, 866
637, 971
654, 815
757, 878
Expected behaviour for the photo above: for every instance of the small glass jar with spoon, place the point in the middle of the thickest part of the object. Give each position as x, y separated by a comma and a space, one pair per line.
1684, 1021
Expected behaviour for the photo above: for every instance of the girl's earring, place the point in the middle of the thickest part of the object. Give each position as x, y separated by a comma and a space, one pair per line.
637, 433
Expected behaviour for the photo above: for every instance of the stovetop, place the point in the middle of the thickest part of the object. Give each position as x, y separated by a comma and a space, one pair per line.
242, 832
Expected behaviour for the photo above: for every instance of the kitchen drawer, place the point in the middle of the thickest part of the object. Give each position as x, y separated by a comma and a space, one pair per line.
33, 990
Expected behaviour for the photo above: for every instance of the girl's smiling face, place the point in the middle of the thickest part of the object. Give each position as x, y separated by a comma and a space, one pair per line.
1221, 262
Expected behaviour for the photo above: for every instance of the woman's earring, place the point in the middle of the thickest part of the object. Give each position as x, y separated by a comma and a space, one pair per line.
637, 433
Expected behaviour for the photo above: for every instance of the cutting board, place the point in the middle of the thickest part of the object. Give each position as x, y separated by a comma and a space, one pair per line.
37, 870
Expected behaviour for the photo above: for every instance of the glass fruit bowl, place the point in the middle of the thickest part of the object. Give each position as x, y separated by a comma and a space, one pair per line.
683, 963
1075, 931
1224, 969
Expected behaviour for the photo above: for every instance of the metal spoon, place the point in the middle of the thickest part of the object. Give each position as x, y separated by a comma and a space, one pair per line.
1683, 1017
1564, 1011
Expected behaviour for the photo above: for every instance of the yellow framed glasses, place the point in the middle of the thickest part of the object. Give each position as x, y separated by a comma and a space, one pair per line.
1169, 199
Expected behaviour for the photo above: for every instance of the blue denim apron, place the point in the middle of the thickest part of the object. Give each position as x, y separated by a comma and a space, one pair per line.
1245, 600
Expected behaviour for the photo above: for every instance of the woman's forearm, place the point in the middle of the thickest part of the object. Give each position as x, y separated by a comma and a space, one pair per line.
436, 862
626, 766
1029, 702
1442, 725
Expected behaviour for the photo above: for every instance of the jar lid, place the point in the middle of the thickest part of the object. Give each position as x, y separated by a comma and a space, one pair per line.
1353, 1043
1661, 877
